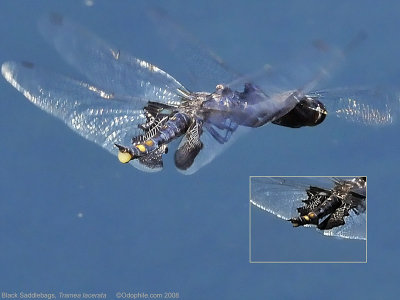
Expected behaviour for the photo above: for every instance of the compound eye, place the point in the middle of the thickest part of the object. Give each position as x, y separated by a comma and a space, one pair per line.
124, 157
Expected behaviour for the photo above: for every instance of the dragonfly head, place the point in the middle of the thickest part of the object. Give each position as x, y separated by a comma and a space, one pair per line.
308, 112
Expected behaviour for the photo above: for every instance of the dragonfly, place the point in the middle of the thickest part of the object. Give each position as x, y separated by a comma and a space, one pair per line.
135, 110
335, 206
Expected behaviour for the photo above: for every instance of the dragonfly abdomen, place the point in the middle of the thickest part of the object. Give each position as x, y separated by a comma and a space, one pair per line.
317, 208
173, 128
156, 137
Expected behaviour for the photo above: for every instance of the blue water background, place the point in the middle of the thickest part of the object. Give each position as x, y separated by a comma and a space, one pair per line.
162, 232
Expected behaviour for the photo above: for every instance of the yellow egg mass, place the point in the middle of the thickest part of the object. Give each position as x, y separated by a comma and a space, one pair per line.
124, 157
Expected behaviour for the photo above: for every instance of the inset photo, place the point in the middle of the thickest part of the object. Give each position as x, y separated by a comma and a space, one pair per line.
308, 219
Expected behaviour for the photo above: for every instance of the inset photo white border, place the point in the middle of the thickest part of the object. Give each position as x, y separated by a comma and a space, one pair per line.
286, 211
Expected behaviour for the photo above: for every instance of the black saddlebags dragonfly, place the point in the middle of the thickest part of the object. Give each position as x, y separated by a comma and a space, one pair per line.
336, 206
135, 110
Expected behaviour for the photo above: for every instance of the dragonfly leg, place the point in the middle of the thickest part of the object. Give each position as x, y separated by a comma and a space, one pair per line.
217, 136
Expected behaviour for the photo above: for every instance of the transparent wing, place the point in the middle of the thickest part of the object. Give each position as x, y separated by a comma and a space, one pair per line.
203, 69
115, 71
316, 63
295, 182
368, 106
281, 196
365, 106
355, 227
276, 197
95, 114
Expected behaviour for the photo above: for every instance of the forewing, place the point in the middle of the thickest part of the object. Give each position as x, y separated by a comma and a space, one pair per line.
115, 71
368, 106
94, 114
277, 196
202, 68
